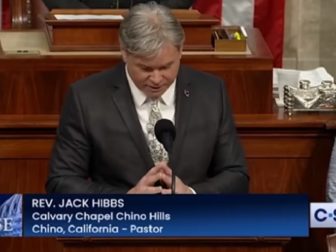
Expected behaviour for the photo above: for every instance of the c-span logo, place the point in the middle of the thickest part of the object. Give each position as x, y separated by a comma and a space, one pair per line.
323, 215
11, 215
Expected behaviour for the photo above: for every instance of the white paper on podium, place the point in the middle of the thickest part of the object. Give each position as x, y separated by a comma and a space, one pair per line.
87, 17
282, 77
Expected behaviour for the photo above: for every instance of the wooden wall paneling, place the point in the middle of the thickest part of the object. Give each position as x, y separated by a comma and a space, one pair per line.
36, 91
30, 245
284, 156
24, 163
37, 86
290, 155
248, 90
300, 160
274, 175
248, 77
24, 176
25, 147
177, 245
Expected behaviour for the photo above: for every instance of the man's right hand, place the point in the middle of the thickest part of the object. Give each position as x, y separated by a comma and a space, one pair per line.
147, 184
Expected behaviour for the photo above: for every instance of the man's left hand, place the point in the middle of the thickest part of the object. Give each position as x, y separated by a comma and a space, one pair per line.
166, 178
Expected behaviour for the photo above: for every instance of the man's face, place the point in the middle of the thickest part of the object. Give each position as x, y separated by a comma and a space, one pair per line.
153, 75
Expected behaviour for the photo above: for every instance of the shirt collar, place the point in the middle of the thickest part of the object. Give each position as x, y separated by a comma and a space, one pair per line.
168, 97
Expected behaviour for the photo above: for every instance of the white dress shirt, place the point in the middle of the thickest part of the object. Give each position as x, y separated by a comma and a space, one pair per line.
143, 105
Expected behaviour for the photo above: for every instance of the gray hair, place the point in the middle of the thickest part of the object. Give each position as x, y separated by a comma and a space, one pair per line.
147, 27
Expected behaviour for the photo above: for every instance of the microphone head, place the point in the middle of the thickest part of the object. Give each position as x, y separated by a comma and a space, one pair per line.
164, 127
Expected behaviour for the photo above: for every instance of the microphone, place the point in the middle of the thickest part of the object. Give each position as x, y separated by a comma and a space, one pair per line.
165, 133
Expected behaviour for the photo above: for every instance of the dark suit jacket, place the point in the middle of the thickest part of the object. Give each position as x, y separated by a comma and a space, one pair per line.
106, 4
101, 148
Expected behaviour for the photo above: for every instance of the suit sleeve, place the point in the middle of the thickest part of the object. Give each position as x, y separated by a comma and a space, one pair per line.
70, 160
228, 171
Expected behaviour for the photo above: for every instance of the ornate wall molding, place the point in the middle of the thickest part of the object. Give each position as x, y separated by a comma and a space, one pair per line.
21, 13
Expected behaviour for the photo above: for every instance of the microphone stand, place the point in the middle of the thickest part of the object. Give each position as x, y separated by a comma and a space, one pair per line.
169, 148
173, 184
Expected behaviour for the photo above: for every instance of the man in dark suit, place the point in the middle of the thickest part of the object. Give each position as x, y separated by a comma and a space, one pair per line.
112, 4
104, 142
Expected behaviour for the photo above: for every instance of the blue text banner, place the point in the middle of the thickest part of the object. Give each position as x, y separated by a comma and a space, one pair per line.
165, 216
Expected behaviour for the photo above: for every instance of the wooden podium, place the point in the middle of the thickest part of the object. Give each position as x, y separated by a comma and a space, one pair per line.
102, 35
175, 245
284, 155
